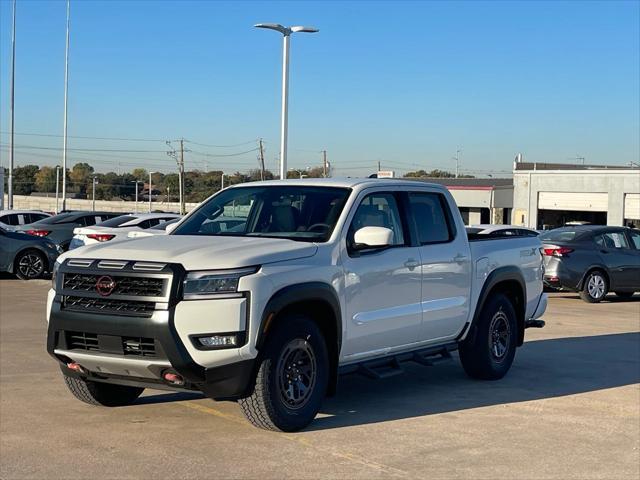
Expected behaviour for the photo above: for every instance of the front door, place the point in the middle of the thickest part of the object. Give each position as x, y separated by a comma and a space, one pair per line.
619, 257
382, 287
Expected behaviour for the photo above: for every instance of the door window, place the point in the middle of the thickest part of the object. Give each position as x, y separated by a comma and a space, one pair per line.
635, 239
431, 218
612, 240
379, 210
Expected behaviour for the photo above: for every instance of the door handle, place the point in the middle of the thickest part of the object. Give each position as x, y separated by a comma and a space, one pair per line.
459, 258
411, 263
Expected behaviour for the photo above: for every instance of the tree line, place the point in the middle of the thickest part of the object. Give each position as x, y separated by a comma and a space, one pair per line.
41, 180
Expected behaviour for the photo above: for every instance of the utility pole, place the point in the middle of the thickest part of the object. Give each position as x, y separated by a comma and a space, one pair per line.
57, 185
379, 166
325, 164
66, 90
93, 203
136, 183
11, 104
457, 159
180, 161
261, 160
150, 190
222, 182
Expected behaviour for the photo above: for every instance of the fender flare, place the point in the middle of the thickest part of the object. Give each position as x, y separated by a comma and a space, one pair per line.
499, 275
292, 294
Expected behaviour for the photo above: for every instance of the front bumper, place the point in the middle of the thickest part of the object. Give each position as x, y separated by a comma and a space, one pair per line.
111, 350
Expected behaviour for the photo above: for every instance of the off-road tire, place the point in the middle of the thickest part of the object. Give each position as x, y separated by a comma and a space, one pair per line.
477, 353
37, 265
266, 407
596, 281
102, 394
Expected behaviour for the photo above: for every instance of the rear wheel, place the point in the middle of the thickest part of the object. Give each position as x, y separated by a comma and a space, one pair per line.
104, 394
595, 287
30, 264
489, 353
292, 379
624, 294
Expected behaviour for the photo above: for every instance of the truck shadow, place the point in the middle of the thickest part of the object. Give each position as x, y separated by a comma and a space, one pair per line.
542, 369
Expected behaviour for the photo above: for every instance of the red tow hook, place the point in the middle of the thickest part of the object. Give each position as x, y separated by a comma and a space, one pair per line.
76, 367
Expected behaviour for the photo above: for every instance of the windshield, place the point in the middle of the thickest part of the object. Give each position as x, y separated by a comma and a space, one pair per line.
295, 212
116, 221
559, 236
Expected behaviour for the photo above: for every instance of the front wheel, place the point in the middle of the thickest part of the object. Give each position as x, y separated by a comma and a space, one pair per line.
104, 394
489, 353
595, 287
30, 265
292, 377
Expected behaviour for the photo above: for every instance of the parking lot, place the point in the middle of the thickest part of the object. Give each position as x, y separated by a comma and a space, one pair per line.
569, 408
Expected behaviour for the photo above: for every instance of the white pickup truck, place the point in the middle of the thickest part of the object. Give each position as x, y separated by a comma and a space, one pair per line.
319, 278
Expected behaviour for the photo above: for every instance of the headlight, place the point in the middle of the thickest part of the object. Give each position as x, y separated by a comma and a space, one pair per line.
54, 274
212, 283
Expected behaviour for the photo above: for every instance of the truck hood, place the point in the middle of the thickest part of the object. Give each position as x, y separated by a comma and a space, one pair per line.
199, 252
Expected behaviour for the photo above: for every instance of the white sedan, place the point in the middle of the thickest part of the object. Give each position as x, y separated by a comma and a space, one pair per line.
118, 228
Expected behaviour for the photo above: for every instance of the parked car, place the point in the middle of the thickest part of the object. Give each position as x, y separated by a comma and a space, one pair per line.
10, 219
592, 260
160, 229
501, 231
322, 277
117, 228
59, 228
26, 256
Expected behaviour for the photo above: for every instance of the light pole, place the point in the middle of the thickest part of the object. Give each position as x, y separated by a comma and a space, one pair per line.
93, 202
11, 103
57, 186
457, 159
150, 190
286, 33
64, 125
136, 182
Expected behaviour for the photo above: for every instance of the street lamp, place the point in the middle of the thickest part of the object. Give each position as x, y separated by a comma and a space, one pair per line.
57, 187
286, 33
136, 182
150, 190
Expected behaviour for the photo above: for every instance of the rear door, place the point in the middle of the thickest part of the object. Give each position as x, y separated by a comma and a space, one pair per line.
634, 238
619, 258
445, 263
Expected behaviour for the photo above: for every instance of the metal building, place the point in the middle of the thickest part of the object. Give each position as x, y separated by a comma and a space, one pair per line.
549, 195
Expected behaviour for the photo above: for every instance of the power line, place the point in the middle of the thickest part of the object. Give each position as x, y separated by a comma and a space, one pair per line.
218, 155
220, 146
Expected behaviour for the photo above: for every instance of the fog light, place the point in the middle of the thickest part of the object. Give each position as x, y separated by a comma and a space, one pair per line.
219, 341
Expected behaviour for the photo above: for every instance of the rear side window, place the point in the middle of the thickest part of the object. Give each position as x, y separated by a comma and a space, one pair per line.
432, 218
10, 219
117, 221
612, 240
635, 239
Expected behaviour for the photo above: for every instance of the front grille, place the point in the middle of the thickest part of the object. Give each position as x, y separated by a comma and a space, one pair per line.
130, 286
82, 341
108, 305
139, 346
110, 344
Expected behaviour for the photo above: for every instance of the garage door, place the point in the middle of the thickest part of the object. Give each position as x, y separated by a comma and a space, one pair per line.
632, 206
581, 202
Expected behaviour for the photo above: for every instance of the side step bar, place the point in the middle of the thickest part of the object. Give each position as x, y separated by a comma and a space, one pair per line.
534, 324
390, 365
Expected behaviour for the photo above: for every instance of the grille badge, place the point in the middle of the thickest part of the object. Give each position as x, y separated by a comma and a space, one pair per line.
105, 285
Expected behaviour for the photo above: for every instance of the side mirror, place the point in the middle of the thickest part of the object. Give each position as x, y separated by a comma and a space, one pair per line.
171, 228
372, 237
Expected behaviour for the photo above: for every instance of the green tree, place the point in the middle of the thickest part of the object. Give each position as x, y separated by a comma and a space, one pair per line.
24, 179
80, 175
46, 179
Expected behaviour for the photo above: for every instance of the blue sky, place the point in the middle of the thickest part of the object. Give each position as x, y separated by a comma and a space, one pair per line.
403, 83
